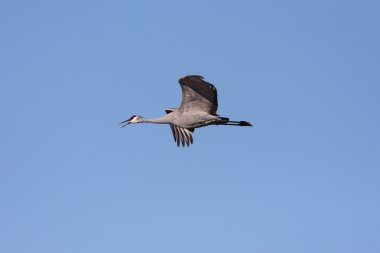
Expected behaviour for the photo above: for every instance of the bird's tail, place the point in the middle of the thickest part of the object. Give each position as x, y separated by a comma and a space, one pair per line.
228, 122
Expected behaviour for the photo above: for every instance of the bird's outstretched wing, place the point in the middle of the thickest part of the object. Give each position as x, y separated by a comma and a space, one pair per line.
198, 94
181, 135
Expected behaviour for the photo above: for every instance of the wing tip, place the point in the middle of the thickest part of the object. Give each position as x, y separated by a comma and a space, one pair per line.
182, 136
189, 77
186, 80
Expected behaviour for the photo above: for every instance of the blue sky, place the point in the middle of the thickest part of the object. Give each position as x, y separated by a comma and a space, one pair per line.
305, 178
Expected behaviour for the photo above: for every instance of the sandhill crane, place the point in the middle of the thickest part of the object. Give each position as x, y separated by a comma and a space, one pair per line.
198, 109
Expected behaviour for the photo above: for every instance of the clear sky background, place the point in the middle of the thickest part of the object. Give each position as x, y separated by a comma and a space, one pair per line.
305, 178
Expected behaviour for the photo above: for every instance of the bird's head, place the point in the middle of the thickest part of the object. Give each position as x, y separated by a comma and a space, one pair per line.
132, 120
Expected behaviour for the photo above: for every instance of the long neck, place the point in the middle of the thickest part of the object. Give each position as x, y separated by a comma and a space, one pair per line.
161, 120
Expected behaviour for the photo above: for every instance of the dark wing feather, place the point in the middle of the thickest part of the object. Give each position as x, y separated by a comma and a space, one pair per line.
198, 94
183, 135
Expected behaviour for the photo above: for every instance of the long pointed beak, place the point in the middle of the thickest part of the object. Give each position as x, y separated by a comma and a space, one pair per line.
125, 123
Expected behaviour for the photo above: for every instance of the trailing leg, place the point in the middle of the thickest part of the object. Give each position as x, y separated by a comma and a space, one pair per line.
228, 122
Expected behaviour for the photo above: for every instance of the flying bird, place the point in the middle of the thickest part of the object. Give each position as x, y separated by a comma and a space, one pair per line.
198, 109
